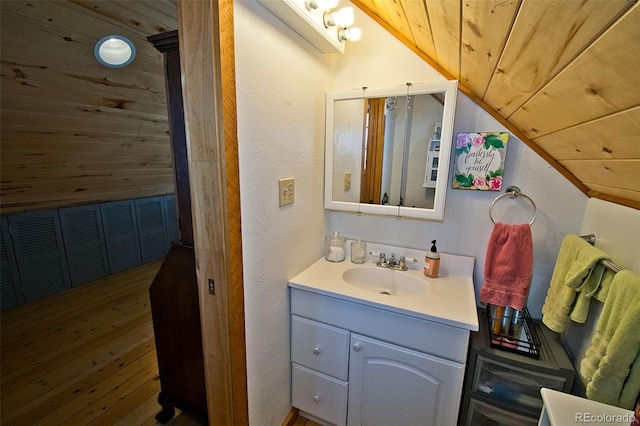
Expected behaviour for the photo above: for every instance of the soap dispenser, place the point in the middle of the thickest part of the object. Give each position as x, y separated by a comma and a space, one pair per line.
432, 262
335, 245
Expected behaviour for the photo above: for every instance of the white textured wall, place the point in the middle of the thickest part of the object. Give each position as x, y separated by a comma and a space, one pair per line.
466, 227
617, 231
281, 86
347, 144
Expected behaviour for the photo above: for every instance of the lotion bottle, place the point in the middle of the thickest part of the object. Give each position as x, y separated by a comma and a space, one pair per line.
432, 262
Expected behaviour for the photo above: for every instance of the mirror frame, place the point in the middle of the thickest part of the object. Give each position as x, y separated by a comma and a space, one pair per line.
450, 88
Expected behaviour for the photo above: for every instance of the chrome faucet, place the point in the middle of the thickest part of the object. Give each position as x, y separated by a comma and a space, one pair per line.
391, 262
399, 265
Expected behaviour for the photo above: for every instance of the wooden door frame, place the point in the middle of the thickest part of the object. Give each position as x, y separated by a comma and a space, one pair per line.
370, 189
205, 30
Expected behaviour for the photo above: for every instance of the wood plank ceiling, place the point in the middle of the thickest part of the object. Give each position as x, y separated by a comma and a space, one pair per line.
561, 75
73, 131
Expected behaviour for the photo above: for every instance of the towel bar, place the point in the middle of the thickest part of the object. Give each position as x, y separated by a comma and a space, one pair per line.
591, 239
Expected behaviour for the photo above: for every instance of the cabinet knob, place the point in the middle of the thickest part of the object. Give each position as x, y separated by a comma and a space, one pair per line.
357, 347
316, 350
316, 398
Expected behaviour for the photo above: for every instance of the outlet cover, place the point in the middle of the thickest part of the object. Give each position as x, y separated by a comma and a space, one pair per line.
286, 191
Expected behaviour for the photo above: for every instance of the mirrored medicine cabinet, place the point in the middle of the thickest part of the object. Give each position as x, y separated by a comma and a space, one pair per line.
387, 150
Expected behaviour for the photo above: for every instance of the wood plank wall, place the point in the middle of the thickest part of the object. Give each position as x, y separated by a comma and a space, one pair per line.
73, 131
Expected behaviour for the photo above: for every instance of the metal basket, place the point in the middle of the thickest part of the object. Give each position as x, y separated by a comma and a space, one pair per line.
530, 347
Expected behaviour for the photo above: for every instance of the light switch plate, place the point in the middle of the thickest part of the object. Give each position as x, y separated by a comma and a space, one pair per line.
286, 191
347, 181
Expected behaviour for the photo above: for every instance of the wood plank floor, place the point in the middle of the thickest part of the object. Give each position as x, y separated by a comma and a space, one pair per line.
302, 421
84, 356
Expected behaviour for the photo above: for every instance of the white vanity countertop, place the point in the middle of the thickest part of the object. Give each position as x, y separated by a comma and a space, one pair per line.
448, 299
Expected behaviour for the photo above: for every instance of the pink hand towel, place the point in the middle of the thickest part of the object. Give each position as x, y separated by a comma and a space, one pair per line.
507, 266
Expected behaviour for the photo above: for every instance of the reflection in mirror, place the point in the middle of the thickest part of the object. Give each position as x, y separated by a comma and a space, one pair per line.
348, 134
411, 134
383, 149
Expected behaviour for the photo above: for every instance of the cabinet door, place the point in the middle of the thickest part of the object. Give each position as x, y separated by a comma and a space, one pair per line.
392, 385
121, 235
40, 255
84, 243
151, 228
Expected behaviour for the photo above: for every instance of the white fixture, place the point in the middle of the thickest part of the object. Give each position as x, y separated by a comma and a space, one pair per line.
449, 299
561, 409
114, 51
358, 356
315, 21
349, 34
339, 18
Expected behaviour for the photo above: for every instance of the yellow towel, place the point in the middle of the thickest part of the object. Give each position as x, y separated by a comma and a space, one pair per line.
597, 285
573, 269
589, 278
603, 290
611, 366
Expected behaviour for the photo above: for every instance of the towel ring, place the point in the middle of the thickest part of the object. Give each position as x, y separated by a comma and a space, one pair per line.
513, 192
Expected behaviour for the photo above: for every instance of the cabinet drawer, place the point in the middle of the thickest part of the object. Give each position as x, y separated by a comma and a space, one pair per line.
511, 383
319, 346
319, 395
484, 414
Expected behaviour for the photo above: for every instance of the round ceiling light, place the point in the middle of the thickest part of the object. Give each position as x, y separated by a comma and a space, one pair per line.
114, 51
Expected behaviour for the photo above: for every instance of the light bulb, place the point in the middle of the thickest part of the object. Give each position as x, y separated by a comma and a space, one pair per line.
341, 18
349, 34
114, 51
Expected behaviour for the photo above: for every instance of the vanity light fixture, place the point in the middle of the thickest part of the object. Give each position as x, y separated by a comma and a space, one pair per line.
321, 4
114, 51
339, 18
315, 21
349, 34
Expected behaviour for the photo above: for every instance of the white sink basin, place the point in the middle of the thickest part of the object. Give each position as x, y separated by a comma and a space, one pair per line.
385, 281
449, 299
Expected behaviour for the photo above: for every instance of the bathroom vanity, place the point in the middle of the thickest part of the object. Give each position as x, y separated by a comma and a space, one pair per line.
376, 346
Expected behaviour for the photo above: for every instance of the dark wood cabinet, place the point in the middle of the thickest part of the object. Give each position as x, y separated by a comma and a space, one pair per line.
167, 43
176, 324
174, 291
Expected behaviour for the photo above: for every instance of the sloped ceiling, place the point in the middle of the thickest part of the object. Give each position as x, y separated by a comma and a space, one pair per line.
561, 75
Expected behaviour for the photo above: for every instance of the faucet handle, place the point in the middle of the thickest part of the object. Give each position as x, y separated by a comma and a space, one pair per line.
381, 256
411, 260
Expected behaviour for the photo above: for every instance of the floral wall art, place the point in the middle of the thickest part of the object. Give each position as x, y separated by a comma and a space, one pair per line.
479, 160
